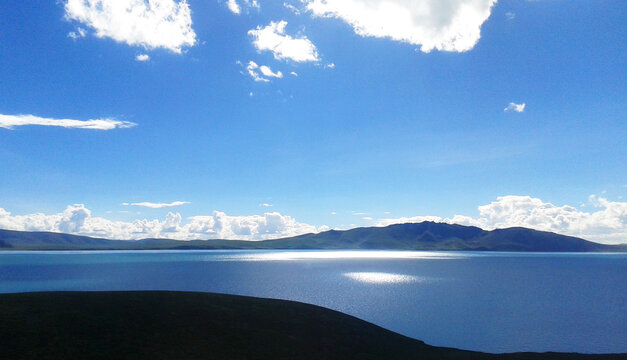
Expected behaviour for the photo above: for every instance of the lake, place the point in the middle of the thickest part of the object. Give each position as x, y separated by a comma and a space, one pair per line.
495, 302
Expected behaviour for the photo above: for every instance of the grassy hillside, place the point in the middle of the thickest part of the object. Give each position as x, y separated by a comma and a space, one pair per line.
182, 325
414, 236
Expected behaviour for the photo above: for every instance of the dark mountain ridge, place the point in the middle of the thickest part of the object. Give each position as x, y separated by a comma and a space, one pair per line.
411, 236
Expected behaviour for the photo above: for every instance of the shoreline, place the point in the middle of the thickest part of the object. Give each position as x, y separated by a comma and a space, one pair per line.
190, 325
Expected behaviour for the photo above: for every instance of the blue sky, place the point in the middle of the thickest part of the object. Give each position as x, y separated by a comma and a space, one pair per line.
389, 118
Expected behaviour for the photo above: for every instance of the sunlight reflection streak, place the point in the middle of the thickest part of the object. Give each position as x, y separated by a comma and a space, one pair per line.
342, 254
382, 278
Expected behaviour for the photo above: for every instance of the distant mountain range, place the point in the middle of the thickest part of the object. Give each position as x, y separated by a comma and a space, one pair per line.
414, 236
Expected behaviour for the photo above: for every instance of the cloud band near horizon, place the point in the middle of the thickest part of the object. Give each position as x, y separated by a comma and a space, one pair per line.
606, 224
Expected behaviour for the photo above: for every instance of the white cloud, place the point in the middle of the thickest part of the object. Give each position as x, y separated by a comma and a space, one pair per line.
79, 33
367, 218
233, 6
452, 25
11, 121
154, 24
273, 38
157, 205
330, 66
236, 8
515, 107
292, 8
258, 72
293, 73
510, 15
265, 205
607, 223
252, 68
266, 71
142, 57
77, 219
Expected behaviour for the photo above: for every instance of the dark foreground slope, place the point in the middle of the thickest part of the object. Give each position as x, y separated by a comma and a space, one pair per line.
414, 236
181, 325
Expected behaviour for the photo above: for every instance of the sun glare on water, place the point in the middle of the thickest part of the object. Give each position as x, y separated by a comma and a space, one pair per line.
337, 254
381, 277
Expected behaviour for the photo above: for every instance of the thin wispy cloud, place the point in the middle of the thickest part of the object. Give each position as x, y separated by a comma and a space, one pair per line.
453, 25
79, 33
261, 73
283, 46
12, 121
236, 6
292, 8
156, 205
515, 107
265, 205
252, 69
163, 24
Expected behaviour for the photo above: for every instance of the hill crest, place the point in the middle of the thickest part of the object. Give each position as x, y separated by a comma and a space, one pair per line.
409, 236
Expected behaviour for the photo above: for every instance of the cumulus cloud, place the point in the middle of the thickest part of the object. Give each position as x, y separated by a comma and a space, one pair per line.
152, 24
273, 38
452, 25
607, 222
261, 73
77, 219
142, 57
11, 121
157, 205
294, 74
515, 107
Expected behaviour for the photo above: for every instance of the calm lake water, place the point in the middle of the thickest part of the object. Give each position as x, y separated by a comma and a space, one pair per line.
496, 302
